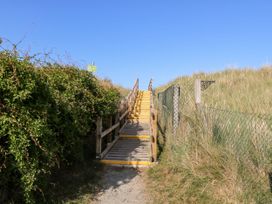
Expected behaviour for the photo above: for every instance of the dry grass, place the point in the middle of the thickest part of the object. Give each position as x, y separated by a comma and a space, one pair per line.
107, 83
225, 157
244, 90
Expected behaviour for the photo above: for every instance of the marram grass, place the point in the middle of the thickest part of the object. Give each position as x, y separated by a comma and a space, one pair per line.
222, 152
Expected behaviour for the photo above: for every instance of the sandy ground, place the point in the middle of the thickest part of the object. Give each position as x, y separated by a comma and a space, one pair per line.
122, 185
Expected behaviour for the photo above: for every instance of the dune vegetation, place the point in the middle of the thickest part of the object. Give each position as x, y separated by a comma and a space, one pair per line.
222, 150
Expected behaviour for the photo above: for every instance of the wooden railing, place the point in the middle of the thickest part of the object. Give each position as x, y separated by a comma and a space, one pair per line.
150, 85
153, 124
107, 129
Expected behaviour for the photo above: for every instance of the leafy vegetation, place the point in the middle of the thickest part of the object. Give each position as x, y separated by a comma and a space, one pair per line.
122, 90
47, 117
225, 158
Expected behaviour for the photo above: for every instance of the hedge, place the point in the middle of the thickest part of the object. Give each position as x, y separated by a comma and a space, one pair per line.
45, 114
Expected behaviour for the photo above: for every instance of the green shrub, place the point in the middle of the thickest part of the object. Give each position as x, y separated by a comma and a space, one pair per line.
45, 115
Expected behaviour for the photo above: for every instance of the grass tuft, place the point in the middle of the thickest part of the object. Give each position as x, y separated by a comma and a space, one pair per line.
222, 152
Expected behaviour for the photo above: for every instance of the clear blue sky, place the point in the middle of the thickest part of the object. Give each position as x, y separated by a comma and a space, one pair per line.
161, 39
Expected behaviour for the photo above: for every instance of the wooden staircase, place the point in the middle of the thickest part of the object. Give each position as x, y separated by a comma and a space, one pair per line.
134, 144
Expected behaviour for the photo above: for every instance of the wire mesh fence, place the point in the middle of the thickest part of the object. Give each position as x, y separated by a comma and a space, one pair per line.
169, 105
237, 140
165, 105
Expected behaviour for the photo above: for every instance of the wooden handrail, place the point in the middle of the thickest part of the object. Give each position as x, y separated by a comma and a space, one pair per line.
109, 130
153, 124
125, 108
150, 85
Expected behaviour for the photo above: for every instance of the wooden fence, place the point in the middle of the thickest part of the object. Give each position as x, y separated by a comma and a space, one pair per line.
107, 129
153, 124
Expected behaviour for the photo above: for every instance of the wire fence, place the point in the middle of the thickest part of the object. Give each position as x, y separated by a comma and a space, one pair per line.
246, 138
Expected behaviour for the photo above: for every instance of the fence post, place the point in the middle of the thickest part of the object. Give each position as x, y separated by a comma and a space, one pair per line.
155, 136
175, 108
117, 117
98, 136
197, 92
109, 137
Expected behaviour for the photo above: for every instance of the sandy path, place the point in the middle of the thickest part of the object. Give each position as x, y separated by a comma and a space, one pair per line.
122, 185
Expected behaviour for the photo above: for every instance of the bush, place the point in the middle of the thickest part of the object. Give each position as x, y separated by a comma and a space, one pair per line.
45, 115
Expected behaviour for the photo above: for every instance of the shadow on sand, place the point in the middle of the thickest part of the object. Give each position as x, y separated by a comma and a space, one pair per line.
83, 183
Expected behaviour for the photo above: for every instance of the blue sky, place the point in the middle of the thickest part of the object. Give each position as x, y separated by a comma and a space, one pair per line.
144, 38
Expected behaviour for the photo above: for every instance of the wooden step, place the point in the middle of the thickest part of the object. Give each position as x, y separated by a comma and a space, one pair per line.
129, 152
139, 137
127, 163
142, 117
136, 128
139, 115
139, 120
133, 147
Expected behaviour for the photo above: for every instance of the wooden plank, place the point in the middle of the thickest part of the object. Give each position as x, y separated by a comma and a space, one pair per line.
109, 135
135, 132
116, 132
155, 145
107, 131
131, 145
121, 129
124, 115
122, 162
127, 156
130, 149
131, 142
140, 137
109, 147
127, 159
146, 149
197, 91
135, 148
129, 153
98, 136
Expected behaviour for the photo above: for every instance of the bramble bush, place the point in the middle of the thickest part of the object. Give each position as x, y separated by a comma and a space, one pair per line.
46, 114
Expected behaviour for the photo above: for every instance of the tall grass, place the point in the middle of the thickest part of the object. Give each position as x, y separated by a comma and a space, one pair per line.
221, 154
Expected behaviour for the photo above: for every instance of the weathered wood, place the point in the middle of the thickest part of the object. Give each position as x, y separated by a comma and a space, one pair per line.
175, 119
197, 91
98, 136
109, 137
125, 106
129, 149
150, 85
153, 124
109, 130
155, 136
116, 121
124, 115
108, 147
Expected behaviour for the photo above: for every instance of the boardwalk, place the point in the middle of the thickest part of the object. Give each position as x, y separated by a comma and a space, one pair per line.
134, 144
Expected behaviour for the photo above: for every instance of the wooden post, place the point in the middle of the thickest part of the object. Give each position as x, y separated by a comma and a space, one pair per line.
197, 91
109, 137
98, 137
176, 92
116, 132
155, 136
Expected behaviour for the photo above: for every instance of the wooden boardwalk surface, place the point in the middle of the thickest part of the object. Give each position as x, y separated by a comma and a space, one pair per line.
134, 144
